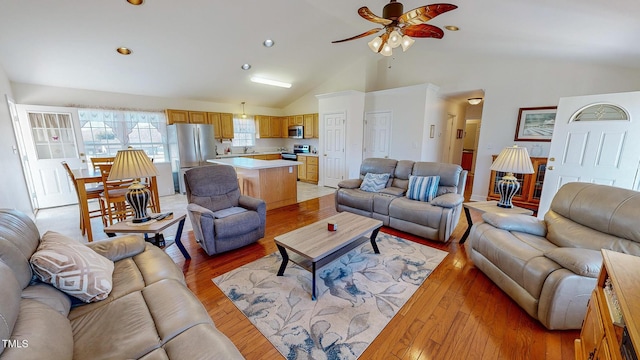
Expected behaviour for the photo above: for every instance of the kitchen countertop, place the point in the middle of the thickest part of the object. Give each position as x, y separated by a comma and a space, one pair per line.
253, 164
232, 155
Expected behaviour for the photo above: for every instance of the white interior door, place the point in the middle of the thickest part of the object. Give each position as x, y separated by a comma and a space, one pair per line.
377, 130
51, 135
595, 139
333, 149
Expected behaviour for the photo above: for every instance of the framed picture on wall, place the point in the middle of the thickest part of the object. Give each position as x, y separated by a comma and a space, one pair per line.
535, 124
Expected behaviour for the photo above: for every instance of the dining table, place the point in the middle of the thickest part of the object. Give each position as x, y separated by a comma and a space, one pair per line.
84, 176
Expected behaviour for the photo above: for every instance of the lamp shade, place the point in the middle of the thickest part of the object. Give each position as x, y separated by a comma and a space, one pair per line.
513, 159
131, 164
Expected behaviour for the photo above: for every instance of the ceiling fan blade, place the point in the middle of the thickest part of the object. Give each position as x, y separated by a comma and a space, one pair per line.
372, 31
368, 15
423, 31
424, 13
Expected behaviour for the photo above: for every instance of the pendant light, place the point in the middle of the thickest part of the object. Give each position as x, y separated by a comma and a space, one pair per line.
244, 116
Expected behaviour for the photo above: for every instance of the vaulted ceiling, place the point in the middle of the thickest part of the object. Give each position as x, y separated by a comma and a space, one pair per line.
194, 49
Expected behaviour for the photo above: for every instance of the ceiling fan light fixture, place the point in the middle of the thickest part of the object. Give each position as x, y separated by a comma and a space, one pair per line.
386, 50
474, 101
374, 44
407, 41
395, 39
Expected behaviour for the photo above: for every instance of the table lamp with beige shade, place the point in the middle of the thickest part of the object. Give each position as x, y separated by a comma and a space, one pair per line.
511, 160
134, 164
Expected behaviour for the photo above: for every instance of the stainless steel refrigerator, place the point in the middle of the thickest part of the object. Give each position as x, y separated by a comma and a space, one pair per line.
190, 145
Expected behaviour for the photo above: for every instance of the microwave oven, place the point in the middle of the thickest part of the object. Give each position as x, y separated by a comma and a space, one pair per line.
296, 132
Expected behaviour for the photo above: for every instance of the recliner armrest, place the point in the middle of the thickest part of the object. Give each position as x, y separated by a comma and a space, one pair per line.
120, 247
200, 210
449, 200
350, 184
251, 203
516, 222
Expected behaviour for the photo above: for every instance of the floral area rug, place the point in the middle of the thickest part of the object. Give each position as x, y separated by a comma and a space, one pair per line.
358, 294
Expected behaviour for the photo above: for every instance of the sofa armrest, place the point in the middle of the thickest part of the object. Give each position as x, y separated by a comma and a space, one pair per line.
120, 247
199, 210
517, 222
449, 200
394, 191
584, 262
350, 184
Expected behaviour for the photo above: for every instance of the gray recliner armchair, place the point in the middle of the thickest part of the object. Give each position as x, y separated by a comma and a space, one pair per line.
222, 218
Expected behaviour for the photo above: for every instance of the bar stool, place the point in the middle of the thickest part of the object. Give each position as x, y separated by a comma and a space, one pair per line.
92, 193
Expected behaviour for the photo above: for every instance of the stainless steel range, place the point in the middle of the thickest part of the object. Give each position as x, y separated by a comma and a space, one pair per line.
297, 149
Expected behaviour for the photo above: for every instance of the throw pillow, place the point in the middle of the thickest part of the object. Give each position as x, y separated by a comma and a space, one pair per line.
423, 188
72, 267
374, 182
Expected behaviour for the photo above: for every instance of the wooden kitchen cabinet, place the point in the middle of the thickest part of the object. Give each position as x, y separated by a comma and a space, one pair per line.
275, 126
308, 170
609, 329
302, 168
316, 127
198, 117
528, 196
177, 116
264, 125
298, 120
308, 126
214, 119
226, 122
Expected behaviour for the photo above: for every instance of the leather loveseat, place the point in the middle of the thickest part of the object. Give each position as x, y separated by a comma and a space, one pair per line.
148, 314
434, 220
550, 267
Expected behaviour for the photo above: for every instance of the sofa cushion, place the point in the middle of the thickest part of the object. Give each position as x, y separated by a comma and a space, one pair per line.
72, 267
423, 188
48, 295
418, 212
374, 182
41, 333
19, 238
583, 262
236, 225
9, 301
221, 214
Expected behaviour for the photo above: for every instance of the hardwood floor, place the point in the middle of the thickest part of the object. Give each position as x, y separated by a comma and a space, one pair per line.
458, 313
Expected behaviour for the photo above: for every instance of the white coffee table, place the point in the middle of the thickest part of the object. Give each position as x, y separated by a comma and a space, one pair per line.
314, 246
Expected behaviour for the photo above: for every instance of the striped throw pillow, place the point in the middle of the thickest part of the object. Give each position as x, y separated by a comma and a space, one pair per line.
423, 188
374, 182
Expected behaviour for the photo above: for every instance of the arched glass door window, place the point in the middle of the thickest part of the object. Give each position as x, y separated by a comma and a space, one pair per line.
600, 112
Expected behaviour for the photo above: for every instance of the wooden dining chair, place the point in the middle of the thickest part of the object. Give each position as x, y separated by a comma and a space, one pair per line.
96, 161
93, 193
114, 203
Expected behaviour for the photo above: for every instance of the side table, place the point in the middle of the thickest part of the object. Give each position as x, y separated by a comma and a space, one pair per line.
491, 207
153, 227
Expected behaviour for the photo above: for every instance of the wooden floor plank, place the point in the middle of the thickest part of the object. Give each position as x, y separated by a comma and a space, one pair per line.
457, 313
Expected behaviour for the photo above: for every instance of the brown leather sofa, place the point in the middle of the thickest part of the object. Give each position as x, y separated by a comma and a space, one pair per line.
550, 267
434, 220
149, 314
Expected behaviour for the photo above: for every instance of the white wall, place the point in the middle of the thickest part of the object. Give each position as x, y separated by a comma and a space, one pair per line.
13, 191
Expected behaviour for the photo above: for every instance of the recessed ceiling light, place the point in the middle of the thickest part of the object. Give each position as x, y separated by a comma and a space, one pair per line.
135, 2
268, 43
246, 66
452, 28
270, 82
123, 50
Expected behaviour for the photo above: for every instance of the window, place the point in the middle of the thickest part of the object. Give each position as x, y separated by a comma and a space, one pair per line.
104, 132
244, 131
600, 112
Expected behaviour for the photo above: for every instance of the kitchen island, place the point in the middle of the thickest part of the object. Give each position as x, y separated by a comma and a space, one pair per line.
274, 181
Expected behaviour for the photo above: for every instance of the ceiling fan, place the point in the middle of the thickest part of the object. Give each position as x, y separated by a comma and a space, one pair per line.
400, 27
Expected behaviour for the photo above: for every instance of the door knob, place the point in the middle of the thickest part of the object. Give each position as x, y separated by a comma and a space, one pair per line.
550, 167
325, 154
552, 159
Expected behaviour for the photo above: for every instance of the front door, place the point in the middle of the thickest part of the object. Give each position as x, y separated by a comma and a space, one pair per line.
377, 130
334, 145
51, 136
595, 139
